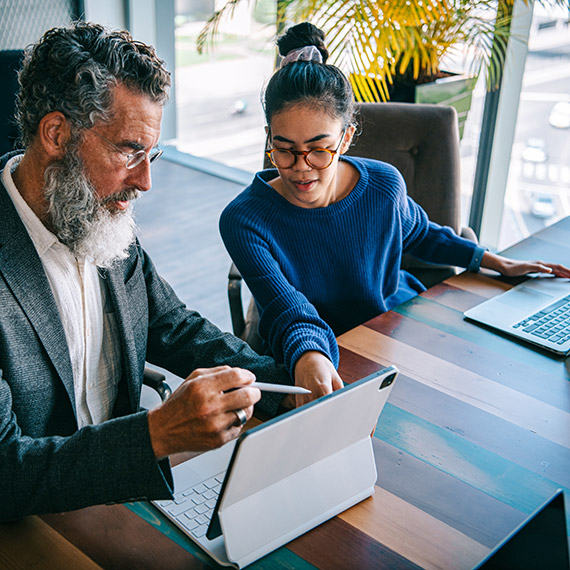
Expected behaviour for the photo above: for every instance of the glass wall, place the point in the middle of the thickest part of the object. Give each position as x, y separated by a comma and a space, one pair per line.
23, 23
220, 115
469, 147
538, 187
218, 93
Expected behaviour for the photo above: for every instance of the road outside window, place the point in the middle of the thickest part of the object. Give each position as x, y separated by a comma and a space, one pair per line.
538, 187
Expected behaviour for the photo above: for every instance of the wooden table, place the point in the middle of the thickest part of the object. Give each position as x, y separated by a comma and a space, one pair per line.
475, 436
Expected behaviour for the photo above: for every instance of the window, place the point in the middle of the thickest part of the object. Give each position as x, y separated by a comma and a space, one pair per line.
218, 93
538, 186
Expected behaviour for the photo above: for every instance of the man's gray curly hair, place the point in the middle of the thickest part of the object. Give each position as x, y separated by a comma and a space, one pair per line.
73, 70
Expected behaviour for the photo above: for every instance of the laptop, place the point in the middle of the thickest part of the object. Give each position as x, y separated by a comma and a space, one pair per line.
282, 478
541, 541
537, 310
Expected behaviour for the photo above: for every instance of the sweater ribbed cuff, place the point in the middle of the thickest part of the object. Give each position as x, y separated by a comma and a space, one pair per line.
475, 263
307, 346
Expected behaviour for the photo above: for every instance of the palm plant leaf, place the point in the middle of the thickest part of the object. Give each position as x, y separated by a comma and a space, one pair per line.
207, 35
375, 42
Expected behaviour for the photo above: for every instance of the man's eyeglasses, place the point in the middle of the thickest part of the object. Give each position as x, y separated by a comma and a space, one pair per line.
317, 158
135, 158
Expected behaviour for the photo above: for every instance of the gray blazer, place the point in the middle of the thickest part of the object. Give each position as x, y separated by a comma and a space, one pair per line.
47, 464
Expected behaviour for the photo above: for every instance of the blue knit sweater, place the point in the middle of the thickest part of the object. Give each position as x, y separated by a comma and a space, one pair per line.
316, 273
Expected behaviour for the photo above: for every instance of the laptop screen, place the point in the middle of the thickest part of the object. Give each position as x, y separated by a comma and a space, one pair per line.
540, 542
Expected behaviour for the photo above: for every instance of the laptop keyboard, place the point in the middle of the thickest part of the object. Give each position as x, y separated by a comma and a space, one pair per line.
552, 322
192, 508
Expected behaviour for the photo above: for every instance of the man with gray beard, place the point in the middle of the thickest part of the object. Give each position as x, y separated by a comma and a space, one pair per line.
82, 307
81, 221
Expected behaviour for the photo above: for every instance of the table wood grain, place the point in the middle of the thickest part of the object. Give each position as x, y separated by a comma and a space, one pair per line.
32, 543
475, 436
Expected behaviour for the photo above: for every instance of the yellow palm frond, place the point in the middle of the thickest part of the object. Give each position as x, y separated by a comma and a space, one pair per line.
373, 42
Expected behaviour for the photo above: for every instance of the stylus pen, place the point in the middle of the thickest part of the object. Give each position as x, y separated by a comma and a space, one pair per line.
283, 388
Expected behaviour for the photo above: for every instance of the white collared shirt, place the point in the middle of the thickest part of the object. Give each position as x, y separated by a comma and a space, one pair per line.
85, 310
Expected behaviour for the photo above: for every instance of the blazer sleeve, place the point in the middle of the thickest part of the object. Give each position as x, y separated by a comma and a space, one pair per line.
109, 462
112, 461
46, 463
181, 340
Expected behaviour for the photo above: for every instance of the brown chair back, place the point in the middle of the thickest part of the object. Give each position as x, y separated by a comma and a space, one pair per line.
422, 142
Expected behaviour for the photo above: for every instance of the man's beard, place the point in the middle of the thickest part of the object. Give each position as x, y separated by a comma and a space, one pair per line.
82, 221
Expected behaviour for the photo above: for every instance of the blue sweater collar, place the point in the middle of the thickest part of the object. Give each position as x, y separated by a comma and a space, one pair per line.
261, 187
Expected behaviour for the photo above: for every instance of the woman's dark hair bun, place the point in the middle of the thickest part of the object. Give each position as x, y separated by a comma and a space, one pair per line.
301, 35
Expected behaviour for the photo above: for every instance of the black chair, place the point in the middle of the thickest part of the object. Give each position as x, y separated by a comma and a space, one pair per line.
422, 141
10, 61
244, 327
157, 381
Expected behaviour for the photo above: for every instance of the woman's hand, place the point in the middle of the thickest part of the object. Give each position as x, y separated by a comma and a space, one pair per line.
515, 268
317, 373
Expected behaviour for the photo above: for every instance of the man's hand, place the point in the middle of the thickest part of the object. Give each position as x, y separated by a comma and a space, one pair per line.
317, 373
200, 413
515, 268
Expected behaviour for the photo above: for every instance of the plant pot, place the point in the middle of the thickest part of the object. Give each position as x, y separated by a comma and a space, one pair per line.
455, 90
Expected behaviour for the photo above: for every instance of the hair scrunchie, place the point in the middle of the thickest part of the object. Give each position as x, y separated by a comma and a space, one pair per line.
307, 53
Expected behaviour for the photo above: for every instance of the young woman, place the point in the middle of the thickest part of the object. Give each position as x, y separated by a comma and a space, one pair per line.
319, 240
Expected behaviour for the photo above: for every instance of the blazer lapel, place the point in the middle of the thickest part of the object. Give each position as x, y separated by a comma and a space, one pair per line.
116, 286
23, 271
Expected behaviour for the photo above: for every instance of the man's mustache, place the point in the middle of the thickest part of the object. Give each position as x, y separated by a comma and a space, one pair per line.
124, 195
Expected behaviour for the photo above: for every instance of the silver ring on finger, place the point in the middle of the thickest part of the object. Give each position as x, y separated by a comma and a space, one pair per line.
241, 417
